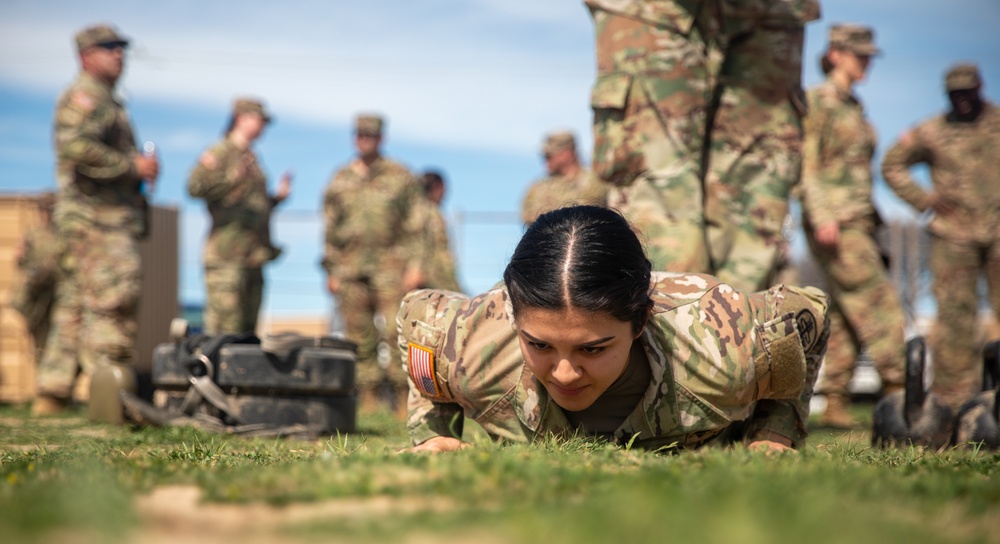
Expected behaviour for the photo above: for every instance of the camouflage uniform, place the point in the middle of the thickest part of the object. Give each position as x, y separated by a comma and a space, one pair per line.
234, 186
440, 273
101, 214
837, 188
962, 159
39, 265
697, 110
557, 191
717, 356
375, 230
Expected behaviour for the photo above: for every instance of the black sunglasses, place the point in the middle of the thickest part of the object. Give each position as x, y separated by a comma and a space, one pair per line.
111, 46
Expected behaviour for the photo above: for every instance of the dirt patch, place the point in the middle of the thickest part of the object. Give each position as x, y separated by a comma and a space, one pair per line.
176, 513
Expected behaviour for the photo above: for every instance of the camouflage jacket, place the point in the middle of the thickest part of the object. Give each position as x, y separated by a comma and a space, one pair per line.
717, 356
98, 184
963, 163
234, 187
440, 272
374, 221
681, 14
836, 158
557, 191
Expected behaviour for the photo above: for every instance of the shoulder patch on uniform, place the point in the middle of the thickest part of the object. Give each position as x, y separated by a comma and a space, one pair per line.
83, 101
805, 321
422, 370
208, 160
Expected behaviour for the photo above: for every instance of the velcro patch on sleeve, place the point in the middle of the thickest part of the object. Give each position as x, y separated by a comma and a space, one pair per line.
421, 363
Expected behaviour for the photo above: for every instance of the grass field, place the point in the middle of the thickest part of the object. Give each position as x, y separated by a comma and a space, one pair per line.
67, 480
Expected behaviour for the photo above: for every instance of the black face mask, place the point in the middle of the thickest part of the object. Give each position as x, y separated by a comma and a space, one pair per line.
966, 105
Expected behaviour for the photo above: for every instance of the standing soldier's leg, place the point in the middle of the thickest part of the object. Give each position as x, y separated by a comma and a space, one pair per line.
223, 300
110, 285
356, 305
59, 363
755, 153
389, 296
253, 295
992, 269
650, 103
957, 368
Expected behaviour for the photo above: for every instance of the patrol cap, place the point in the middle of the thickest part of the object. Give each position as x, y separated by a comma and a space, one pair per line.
858, 39
99, 34
962, 76
369, 124
251, 105
556, 141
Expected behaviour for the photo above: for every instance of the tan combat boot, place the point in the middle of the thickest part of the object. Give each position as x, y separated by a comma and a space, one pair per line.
836, 414
48, 405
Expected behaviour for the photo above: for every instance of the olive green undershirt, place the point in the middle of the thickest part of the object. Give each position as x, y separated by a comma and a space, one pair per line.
611, 409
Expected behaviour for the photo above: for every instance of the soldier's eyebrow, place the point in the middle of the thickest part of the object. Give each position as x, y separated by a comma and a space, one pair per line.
592, 343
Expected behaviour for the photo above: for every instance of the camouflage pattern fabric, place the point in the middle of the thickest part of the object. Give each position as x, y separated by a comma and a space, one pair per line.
100, 214
234, 186
837, 187
717, 356
697, 112
559, 191
376, 228
440, 273
965, 244
34, 292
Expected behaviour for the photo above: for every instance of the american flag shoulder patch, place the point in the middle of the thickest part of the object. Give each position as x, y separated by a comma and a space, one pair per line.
422, 370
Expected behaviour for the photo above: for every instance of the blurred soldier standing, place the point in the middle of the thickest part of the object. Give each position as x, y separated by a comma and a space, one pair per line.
230, 179
375, 250
962, 148
697, 120
840, 220
38, 259
440, 272
568, 182
101, 214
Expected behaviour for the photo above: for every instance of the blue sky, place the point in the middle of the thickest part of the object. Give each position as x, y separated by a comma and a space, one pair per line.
468, 86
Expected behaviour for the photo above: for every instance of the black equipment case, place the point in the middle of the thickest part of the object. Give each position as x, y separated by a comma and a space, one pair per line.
280, 381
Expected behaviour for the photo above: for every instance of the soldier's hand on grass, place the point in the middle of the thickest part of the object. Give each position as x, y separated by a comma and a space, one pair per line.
768, 446
827, 234
438, 444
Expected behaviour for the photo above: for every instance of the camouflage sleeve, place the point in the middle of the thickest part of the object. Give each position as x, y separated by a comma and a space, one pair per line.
429, 415
81, 122
529, 206
808, 307
331, 217
813, 195
212, 177
906, 152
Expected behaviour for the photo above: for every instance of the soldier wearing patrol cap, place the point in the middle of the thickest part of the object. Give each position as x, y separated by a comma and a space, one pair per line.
568, 182
961, 147
376, 248
231, 180
840, 222
100, 213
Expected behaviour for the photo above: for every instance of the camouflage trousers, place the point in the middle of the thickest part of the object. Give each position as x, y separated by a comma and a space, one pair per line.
865, 309
368, 307
701, 134
233, 298
956, 350
94, 321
